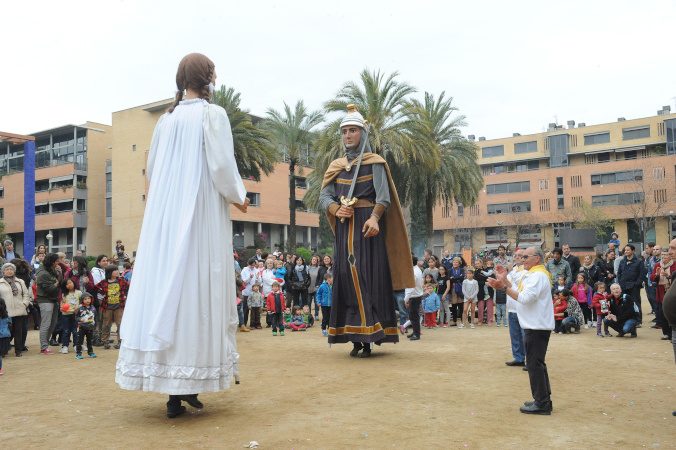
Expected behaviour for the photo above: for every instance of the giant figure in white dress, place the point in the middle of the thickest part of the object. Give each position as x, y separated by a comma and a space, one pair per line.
178, 329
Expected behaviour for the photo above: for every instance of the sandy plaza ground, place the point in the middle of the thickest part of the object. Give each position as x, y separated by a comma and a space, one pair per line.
451, 389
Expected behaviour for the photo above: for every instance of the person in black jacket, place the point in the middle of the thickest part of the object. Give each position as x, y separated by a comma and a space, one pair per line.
630, 275
623, 315
572, 260
609, 269
299, 280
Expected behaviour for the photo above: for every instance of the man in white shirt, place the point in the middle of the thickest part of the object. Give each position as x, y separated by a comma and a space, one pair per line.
250, 276
413, 298
515, 331
536, 316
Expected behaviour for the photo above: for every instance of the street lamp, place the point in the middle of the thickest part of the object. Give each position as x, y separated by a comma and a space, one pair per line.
49, 239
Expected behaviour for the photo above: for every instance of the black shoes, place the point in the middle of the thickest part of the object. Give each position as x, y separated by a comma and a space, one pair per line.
515, 363
97, 343
173, 412
357, 346
191, 400
53, 342
525, 369
414, 337
620, 334
532, 408
366, 352
633, 334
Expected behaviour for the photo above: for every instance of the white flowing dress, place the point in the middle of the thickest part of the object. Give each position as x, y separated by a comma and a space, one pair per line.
179, 324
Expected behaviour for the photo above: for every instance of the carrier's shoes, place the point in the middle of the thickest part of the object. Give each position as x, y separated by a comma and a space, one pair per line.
64, 350
357, 346
529, 404
515, 363
174, 412
106, 346
192, 400
53, 342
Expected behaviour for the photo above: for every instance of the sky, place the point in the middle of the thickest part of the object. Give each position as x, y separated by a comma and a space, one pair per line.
509, 66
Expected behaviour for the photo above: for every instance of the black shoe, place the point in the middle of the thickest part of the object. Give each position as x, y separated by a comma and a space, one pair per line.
192, 400
366, 352
525, 369
415, 337
117, 346
515, 363
357, 346
106, 346
53, 342
173, 412
656, 327
532, 409
633, 335
97, 343
551, 406
664, 338
24, 349
620, 334
673, 413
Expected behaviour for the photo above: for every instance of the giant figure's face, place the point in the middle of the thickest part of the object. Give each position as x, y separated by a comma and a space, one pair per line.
351, 135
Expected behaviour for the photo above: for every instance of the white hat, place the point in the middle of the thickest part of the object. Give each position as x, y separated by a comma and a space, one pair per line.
353, 117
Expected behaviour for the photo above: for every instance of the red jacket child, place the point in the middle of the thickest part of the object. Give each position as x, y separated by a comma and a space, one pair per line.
596, 302
270, 302
561, 307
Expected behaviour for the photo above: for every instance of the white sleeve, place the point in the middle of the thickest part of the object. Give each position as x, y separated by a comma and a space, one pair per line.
220, 152
152, 153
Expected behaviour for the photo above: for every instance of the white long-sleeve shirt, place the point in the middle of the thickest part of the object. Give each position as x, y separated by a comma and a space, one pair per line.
514, 277
250, 281
535, 308
417, 291
470, 289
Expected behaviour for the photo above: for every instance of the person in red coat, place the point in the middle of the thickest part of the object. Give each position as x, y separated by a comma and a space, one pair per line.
600, 303
560, 305
661, 275
275, 304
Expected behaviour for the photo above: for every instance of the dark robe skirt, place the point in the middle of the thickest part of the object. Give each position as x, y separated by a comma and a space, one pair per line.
362, 303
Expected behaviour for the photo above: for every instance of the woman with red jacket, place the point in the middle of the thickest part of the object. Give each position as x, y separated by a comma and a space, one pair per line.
662, 276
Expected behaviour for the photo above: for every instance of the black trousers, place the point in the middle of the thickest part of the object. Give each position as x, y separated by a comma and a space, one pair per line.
414, 314
277, 321
255, 317
326, 313
81, 335
456, 311
245, 309
536, 342
18, 323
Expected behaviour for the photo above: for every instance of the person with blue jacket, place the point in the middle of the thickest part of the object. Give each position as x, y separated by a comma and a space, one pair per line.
323, 299
430, 305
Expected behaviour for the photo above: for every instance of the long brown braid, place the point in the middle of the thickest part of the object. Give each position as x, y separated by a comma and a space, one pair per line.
195, 71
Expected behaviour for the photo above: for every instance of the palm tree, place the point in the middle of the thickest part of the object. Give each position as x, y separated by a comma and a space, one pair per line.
293, 132
457, 176
254, 148
380, 99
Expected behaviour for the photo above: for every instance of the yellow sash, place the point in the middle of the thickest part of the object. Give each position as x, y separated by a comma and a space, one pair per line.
538, 268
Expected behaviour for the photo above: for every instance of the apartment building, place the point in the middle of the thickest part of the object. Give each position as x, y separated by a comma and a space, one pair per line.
538, 184
68, 191
268, 212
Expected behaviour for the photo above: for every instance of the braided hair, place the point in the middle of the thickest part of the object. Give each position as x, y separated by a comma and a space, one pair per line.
195, 72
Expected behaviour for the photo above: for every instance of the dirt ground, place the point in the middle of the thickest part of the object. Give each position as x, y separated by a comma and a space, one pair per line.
451, 389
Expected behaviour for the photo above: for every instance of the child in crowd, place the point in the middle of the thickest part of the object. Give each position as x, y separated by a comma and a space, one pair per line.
500, 307
560, 305
296, 322
600, 302
114, 291
574, 317
560, 285
470, 289
444, 293
430, 306
71, 297
275, 303
583, 294
5, 323
86, 324
287, 317
255, 303
489, 272
324, 301
308, 319
429, 281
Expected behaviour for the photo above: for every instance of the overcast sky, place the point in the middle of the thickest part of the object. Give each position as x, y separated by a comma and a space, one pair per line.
510, 66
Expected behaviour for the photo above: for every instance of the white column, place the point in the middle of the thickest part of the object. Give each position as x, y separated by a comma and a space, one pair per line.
260, 228
286, 233
309, 237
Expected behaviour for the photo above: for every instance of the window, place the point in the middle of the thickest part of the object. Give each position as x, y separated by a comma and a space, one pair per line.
659, 173
2, 213
445, 212
660, 195
544, 184
461, 210
558, 150
630, 155
628, 198
576, 201
109, 207
490, 152
576, 181
474, 210
2, 192
133, 148
508, 208
41, 185
625, 176
526, 147
523, 166
508, 188
635, 133
42, 208
254, 198
590, 159
559, 192
143, 171
62, 207
301, 183
603, 157
660, 129
544, 204
81, 204
143, 198
597, 138
300, 206
109, 183
670, 126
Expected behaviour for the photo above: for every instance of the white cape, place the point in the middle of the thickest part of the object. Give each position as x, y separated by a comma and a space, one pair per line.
179, 324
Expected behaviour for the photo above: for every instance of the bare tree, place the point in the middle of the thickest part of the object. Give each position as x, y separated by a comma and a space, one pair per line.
522, 225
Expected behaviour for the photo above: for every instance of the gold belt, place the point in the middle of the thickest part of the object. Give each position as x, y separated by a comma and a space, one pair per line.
363, 203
